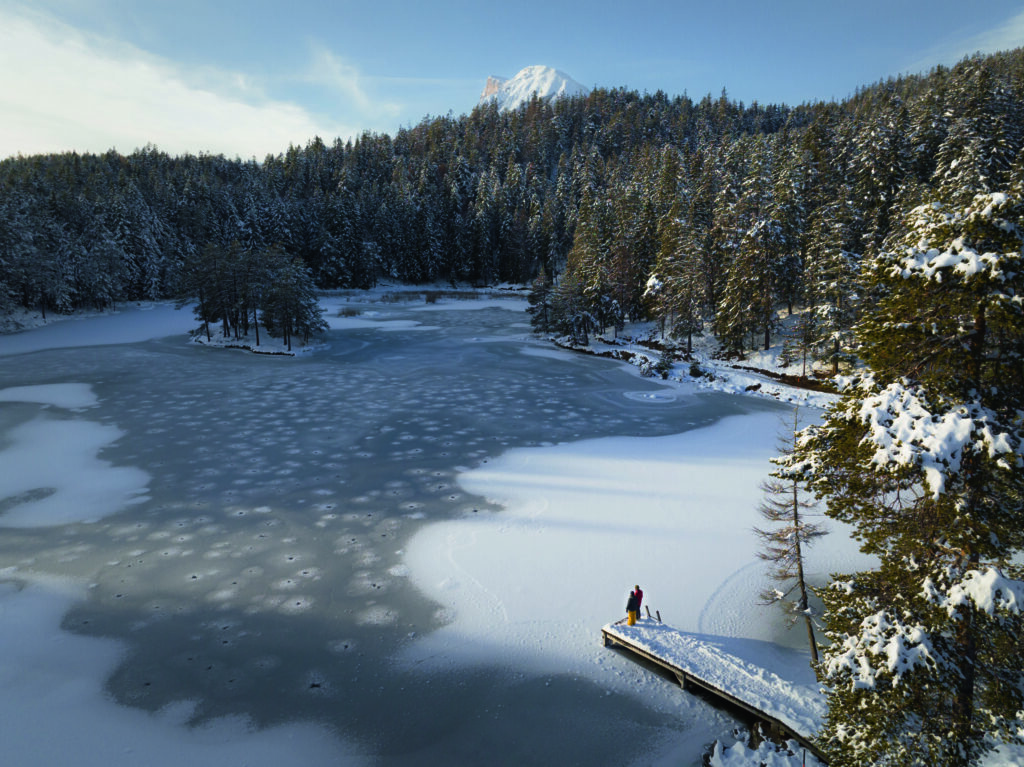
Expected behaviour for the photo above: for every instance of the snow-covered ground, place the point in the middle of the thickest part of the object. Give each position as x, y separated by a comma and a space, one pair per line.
533, 584
797, 705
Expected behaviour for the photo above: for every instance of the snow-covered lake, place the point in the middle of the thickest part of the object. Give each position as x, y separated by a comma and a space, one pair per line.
397, 549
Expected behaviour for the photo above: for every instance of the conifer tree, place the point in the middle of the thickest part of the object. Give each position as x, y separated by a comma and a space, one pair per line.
924, 457
674, 289
729, 224
540, 300
290, 305
983, 138
881, 161
572, 313
787, 508
831, 285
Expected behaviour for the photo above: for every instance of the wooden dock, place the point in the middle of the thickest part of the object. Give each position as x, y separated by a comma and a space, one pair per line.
700, 667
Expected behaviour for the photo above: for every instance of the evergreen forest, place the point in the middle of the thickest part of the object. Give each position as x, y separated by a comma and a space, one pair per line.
892, 220
709, 215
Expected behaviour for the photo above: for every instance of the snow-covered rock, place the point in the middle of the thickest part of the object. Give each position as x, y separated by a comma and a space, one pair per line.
546, 82
492, 86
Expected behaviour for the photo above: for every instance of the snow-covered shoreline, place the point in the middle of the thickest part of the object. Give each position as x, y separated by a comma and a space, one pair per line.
530, 585
486, 571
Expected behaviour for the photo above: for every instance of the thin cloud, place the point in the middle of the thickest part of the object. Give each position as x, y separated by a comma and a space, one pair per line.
1003, 37
331, 71
64, 90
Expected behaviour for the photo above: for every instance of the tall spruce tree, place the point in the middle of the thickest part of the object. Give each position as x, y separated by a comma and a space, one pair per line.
831, 282
924, 457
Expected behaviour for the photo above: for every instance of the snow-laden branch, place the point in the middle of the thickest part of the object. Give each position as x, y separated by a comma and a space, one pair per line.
945, 242
960, 258
903, 431
883, 647
987, 590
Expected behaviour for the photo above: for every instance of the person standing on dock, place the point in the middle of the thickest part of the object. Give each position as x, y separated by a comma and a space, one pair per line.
632, 608
639, 598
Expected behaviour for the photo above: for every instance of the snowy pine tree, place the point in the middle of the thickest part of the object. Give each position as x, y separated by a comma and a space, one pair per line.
924, 456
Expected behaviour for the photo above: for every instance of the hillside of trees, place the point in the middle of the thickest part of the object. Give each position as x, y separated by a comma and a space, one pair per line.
710, 214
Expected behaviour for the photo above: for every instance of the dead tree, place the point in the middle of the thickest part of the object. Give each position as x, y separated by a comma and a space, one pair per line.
789, 509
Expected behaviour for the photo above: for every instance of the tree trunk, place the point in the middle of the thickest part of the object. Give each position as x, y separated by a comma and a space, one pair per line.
206, 320
967, 651
963, 706
977, 344
803, 605
810, 638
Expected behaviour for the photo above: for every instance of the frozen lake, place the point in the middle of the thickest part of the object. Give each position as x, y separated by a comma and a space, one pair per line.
252, 562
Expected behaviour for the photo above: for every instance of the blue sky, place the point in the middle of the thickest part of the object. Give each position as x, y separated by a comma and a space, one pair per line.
249, 78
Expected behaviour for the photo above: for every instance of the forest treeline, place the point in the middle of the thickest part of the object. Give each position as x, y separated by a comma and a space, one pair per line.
707, 214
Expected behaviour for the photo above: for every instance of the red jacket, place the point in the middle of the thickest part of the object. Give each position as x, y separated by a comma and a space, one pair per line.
639, 598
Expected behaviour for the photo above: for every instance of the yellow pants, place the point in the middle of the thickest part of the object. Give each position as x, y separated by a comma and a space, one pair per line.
631, 617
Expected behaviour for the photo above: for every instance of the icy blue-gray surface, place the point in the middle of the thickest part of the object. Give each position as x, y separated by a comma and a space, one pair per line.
262, 575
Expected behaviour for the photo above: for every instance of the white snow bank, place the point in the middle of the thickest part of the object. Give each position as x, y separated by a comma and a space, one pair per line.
52, 474
584, 522
767, 754
363, 323
732, 380
54, 712
729, 377
124, 326
71, 396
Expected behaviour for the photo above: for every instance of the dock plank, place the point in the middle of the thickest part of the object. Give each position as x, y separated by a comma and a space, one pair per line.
789, 712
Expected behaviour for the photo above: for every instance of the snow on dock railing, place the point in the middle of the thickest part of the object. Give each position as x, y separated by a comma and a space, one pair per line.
789, 710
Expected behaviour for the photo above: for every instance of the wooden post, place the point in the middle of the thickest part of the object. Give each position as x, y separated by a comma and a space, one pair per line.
658, 613
756, 736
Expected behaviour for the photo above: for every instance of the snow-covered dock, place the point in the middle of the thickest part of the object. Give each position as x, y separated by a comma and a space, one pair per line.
698, 664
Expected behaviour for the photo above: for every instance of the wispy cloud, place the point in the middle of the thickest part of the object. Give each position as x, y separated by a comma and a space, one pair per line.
1005, 36
329, 70
64, 90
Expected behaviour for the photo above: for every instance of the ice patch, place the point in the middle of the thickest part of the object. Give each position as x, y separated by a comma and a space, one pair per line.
54, 711
120, 327
359, 323
377, 616
72, 396
52, 475
651, 396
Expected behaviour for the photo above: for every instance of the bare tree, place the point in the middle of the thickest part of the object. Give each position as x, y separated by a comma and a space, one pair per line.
787, 507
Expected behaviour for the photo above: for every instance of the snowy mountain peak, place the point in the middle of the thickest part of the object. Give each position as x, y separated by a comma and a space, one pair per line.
546, 82
492, 86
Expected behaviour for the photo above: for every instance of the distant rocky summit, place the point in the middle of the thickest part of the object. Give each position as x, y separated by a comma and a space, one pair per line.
492, 86
546, 82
